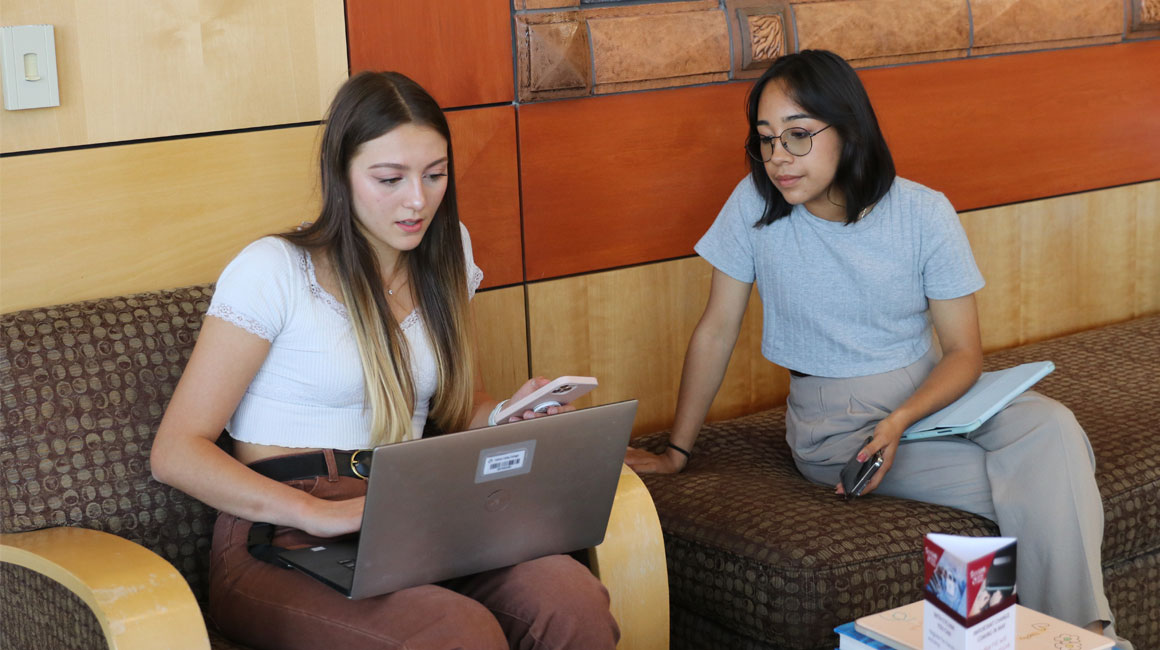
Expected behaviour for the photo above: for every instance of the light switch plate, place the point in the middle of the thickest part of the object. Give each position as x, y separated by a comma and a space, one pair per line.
29, 70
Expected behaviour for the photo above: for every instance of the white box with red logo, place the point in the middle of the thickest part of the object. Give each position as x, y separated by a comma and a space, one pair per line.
969, 591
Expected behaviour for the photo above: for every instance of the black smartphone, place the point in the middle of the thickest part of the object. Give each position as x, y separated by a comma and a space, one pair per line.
855, 475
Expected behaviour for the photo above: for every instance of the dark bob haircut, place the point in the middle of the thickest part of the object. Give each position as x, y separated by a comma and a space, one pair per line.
823, 84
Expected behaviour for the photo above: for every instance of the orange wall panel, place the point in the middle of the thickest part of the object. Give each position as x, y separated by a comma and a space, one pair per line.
623, 179
1003, 129
459, 50
487, 184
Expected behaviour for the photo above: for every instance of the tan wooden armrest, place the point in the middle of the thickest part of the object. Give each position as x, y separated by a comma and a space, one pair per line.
630, 562
140, 600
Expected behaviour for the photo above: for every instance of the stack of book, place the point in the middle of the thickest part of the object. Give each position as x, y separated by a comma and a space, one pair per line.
901, 629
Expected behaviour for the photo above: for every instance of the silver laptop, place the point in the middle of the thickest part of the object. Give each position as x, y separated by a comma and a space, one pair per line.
453, 505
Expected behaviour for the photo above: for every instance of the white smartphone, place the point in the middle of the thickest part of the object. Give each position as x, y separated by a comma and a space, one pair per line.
558, 392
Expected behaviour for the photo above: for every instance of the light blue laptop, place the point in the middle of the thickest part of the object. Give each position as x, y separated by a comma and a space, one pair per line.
988, 396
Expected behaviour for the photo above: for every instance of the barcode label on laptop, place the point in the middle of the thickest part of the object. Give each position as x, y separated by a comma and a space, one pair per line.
497, 463
503, 462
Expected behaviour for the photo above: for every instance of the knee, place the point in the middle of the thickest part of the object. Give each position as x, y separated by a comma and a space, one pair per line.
1059, 423
1063, 420
471, 625
1057, 413
567, 605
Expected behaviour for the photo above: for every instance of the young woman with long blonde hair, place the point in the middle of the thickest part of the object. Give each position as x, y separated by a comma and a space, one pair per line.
353, 332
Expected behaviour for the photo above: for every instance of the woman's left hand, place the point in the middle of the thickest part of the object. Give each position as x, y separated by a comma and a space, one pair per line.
886, 437
528, 388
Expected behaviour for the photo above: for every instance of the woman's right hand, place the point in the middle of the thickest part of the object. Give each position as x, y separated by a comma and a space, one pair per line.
643, 462
334, 518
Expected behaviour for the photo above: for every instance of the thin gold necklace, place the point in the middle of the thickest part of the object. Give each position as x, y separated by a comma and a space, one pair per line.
391, 292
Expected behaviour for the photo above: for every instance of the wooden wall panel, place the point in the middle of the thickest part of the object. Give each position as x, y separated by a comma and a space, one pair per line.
487, 182
459, 50
996, 242
1147, 249
131, 70
1078, 271
501, 333
629, 328
618, 180
1066, 264
1011, 128
107, 221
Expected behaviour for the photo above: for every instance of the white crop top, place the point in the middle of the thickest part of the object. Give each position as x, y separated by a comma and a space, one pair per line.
309, 391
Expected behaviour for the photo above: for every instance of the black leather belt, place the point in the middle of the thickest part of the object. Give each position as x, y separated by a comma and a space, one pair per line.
355, 464
798, 374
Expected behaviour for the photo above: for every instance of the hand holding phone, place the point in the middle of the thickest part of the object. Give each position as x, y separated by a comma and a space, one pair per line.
558, 392
856, 475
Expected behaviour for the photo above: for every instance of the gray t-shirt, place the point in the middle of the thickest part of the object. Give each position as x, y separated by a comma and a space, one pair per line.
846, 300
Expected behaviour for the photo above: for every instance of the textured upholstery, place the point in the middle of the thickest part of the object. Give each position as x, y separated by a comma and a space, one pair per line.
83, 389
760, 558
50, 616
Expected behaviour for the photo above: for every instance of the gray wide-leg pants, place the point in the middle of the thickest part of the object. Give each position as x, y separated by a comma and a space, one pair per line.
1030, 469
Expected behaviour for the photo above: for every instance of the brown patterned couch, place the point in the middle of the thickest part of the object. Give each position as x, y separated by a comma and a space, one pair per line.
760, 558
83, 389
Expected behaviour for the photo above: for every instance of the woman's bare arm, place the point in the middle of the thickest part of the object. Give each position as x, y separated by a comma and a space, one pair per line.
957, 324
706, 360
186, 456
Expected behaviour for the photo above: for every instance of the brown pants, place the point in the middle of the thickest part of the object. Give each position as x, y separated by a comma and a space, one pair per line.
551, 602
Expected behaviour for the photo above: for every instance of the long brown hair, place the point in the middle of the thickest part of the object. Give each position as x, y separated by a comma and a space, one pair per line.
367, 106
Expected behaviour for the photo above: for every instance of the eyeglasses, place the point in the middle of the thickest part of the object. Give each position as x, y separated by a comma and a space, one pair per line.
796, 140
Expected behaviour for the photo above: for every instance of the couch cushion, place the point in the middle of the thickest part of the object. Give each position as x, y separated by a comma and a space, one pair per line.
84, 387
756, 552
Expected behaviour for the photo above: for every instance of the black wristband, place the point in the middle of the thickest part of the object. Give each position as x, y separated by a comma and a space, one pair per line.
677, 449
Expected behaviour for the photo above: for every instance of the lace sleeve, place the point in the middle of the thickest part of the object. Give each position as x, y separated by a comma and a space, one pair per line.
256, 291
474, 277
227, 313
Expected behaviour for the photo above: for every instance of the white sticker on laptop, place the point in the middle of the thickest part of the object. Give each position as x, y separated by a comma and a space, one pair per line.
507, 460
504, 462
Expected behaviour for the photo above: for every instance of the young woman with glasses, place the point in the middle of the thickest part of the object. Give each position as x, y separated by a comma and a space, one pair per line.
344, 335
854, 266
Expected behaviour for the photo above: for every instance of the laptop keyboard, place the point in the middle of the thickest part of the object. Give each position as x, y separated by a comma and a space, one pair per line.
347, 563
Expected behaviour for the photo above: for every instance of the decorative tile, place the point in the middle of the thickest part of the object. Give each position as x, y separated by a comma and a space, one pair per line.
520, 5
763, 37
1148, 12
762, 30
660, 46
1017, 22
865, 32
558, 56
766, 38
1145, 19
552, 56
